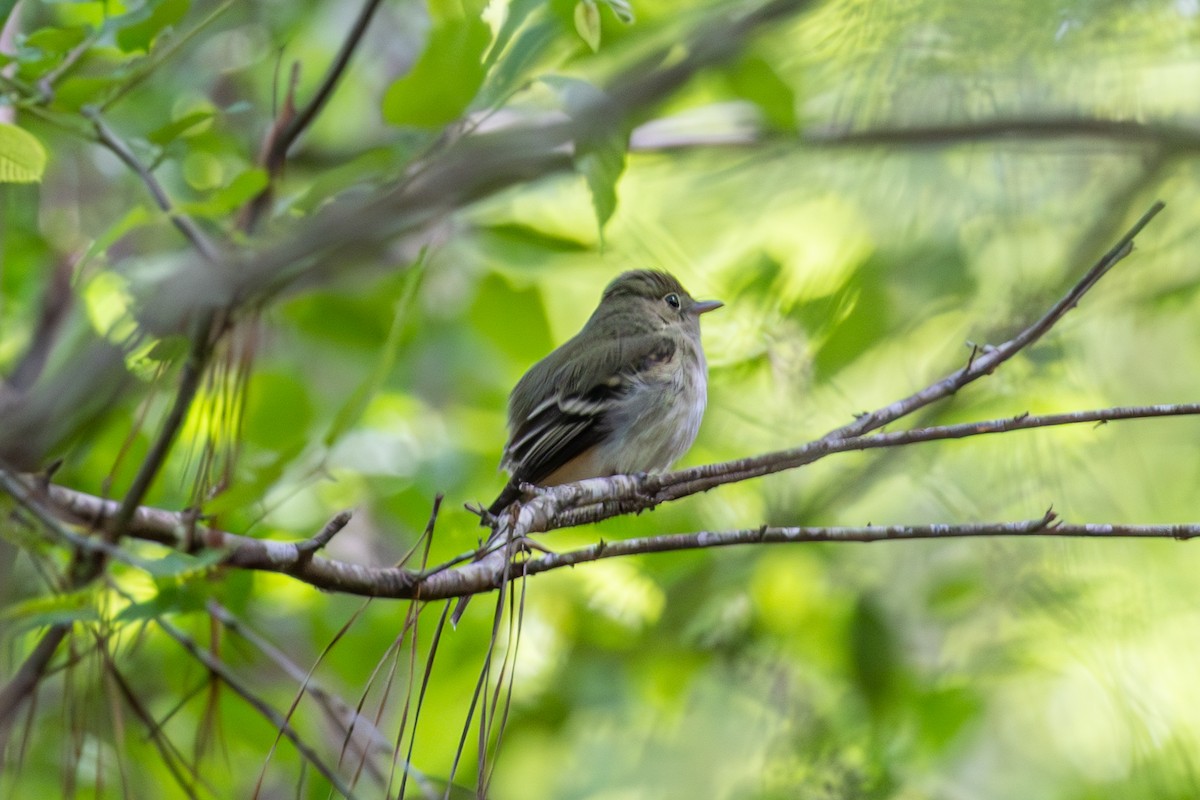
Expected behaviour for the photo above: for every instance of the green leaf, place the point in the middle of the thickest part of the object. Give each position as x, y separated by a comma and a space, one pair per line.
138, 29
176, 565
168, 350
362, 169
874, 653
518, 17
134, 218
944, 712
622, 9
231, 196
755, 80
601, 160
22, 156
55, 41
278, 411
518, 52
442, 83
171, 598
51, 610
186, 124
77, 91
587, 23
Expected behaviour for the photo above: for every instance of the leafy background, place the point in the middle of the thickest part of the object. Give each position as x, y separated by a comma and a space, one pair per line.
852, 274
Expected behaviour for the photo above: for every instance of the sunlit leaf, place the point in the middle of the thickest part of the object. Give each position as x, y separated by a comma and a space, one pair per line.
755, 80
453, 62
57, 40
600, 157
231, 196
22, 156
186, 124
51, 609
587, 23
138, 29
277, 410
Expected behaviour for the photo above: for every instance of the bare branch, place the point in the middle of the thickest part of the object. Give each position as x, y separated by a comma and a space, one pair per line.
993, 357
305, 116
576, 503
325, 535
1181, 138
24, 683
107, 137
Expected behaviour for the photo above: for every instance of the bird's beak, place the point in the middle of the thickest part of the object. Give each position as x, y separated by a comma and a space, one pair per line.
704, 306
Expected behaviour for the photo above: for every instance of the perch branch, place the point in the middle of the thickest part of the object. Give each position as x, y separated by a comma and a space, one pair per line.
296, 559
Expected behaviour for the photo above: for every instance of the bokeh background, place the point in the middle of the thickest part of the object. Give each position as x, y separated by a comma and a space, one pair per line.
853, 274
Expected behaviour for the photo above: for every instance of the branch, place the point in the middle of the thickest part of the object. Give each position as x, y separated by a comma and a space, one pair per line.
545, 512
1047, 525
1174, 137
304, 118
595, 499
28, 676
992, 357
107, 137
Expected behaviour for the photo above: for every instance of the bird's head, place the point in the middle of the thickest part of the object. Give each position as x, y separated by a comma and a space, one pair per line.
655, 296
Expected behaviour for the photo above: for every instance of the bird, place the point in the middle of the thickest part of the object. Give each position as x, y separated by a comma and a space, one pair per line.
625, 395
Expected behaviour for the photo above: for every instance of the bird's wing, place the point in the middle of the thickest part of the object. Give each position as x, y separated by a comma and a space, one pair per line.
572, 415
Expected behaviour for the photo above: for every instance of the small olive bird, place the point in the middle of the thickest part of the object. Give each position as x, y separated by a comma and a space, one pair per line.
625, 395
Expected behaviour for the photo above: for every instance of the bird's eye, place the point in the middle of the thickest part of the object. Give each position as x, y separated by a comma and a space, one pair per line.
672, 300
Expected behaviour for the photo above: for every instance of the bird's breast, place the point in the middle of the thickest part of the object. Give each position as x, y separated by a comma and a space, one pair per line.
658, 418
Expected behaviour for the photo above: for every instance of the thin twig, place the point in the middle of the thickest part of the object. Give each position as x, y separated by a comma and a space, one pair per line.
191, 231
25, 681
305, 116
289, 124
735, 471
332, 528
189, 383
46, 83
1174, 137
988, 361
794, 535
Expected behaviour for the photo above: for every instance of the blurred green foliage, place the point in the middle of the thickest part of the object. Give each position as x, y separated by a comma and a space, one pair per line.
852, 275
